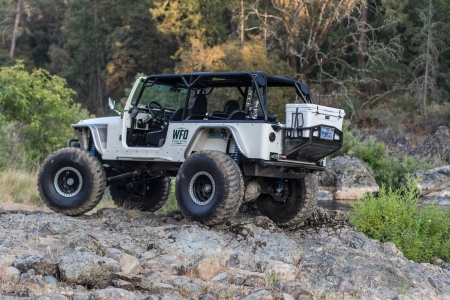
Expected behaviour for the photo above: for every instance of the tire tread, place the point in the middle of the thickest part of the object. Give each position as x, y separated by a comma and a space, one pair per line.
234, 186
98, 186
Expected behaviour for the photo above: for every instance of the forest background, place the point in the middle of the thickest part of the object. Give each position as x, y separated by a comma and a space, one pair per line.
387, 63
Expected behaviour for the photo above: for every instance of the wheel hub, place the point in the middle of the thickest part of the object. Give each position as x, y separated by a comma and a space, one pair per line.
202, 188
68, 182
281, 195
207, 188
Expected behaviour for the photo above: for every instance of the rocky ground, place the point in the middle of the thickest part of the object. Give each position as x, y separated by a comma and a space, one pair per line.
126, 254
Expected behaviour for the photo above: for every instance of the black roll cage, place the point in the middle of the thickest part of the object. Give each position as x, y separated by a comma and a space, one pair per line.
255, 80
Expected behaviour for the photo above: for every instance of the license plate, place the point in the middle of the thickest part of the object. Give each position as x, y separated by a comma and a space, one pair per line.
327, 133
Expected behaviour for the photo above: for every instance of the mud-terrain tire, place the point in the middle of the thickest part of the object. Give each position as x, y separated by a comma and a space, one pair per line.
71, 181
299, 203
209, 187
155, 195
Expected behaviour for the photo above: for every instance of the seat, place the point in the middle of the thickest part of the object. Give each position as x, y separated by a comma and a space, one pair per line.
197, 107
177, 114
270, 118
230, 106
156, 138
237, 115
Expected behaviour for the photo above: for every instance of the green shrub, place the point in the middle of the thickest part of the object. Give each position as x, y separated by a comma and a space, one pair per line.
421, 233
40, 108
388, 169
13, 154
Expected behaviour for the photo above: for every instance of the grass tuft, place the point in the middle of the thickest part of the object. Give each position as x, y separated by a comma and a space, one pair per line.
171, 203
19, 186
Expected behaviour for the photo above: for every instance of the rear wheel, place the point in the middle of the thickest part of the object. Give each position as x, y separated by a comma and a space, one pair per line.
294, 204
209, 187
71, 181
148, 196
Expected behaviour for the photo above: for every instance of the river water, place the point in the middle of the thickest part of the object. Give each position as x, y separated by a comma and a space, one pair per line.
342, 205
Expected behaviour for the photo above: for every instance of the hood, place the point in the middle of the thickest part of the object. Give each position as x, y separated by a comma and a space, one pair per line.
97, 121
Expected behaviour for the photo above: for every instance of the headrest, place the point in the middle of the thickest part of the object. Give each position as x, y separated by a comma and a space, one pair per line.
231, 106
198, 105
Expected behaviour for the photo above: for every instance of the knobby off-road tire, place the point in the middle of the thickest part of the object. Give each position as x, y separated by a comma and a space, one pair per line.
209, 187
155, 195
71, 181
298, 206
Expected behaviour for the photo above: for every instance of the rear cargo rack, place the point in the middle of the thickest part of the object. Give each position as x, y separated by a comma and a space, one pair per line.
311, 143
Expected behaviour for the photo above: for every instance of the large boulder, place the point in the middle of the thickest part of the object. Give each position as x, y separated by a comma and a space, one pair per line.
87, 268
40, 265
347, 178
433, 184
435, 147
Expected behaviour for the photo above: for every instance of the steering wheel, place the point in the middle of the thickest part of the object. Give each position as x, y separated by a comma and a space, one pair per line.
156, 117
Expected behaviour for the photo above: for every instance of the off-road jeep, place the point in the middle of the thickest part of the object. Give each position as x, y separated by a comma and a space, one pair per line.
215, 133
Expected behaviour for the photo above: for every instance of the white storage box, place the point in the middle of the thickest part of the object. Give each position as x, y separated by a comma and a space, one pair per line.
309, 115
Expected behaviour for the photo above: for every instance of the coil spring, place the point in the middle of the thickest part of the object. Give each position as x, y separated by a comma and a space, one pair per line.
236, 155
280, 186
93, 151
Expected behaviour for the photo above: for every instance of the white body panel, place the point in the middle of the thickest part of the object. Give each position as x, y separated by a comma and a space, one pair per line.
185, 137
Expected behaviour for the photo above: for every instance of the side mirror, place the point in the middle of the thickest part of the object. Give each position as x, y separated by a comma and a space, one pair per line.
112, 104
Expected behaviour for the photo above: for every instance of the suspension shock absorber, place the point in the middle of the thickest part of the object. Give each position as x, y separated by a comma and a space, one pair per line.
236, 155
280, 186
93, 151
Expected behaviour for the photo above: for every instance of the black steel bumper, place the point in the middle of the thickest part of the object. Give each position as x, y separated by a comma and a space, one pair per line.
308, 143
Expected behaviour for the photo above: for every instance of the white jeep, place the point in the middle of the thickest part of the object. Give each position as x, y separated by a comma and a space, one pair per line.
214, 132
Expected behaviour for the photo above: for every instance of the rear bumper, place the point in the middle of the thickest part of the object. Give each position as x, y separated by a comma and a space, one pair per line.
305, 143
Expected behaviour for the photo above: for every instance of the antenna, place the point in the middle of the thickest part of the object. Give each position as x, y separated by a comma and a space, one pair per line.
320, 79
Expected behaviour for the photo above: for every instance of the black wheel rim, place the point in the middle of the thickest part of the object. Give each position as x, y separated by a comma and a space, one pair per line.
68, 182
202, 188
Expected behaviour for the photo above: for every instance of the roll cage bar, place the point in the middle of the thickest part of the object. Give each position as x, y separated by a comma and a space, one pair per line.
203, 80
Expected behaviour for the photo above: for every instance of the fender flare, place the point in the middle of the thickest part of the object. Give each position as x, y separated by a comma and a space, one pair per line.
237, 138
86, 131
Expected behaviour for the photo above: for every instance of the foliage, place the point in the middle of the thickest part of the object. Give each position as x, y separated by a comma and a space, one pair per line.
272, 278
421, 233
135, 46
207, 21
13, 153
426, 65
388, 169
40, 107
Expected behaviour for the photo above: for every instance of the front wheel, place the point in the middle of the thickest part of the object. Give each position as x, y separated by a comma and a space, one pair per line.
294, 204
148, 196
209, 187
71, 181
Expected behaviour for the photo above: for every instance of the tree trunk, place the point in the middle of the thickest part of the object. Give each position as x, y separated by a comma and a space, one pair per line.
242, 21
362, 35
427, 62
16, 26
293, 64
99, 88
